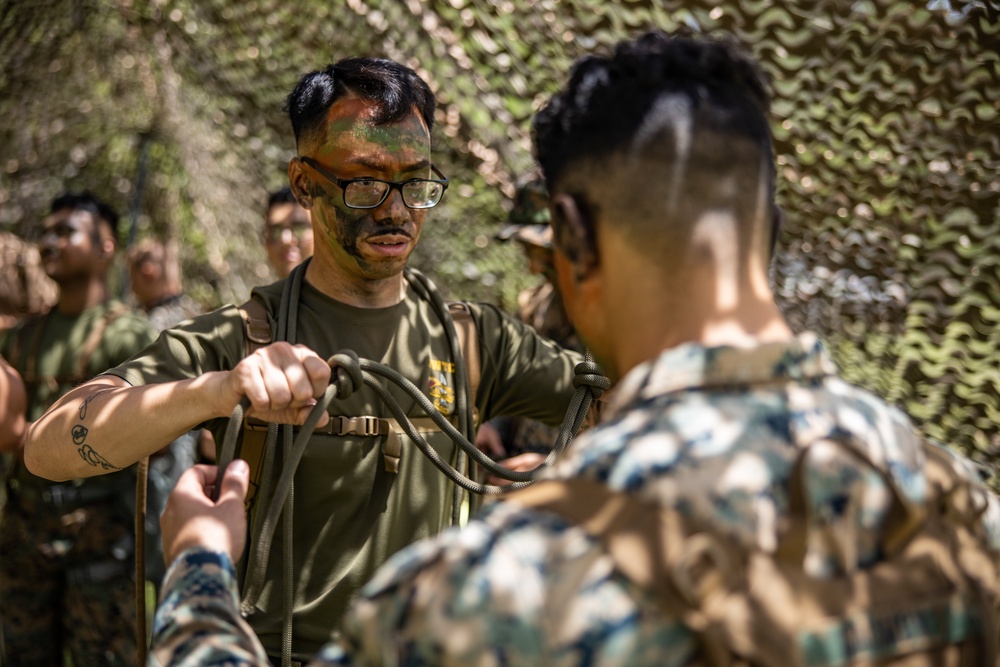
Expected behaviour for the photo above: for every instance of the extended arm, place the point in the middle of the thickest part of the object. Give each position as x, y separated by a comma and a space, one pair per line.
107, 424
13, 403
198, 622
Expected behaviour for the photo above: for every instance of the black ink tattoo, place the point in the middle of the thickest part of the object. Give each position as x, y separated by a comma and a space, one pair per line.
86, 403
88, 454
80, 434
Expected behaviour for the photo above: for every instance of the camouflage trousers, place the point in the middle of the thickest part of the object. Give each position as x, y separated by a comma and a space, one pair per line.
66, 586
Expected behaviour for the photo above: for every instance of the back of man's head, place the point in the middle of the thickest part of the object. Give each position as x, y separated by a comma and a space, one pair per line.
395, 90
101, 211
656, 135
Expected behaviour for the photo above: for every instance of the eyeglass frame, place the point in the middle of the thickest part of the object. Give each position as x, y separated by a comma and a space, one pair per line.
342, 183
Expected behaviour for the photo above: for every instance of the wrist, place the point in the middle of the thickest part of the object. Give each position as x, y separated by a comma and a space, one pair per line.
217, 392
185, 577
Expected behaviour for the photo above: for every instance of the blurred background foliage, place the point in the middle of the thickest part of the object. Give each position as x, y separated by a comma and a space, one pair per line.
886, 117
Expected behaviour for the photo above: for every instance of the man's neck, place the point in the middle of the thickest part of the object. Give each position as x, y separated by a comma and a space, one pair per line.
160, 300
77, 296
651, 311
381, 293
649, 337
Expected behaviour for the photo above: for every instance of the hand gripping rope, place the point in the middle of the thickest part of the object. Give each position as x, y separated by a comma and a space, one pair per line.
349, 374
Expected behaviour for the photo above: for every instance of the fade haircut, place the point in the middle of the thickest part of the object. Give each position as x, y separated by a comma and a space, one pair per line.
395, 89
698, 107
86, 201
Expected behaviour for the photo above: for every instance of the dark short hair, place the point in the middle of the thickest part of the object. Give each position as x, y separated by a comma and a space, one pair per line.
608, 99
395, 89
282, 196
87, 201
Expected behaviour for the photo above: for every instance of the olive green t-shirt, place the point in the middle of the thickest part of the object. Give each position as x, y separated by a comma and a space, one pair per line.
47, 351
350, 515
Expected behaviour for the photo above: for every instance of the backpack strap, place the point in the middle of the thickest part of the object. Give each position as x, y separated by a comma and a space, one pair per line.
256, 326
468, 341
257, 334
94, 339
645, 541
32, 332
932, 601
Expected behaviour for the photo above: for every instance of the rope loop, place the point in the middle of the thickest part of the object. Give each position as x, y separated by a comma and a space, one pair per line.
347, 375
588, 374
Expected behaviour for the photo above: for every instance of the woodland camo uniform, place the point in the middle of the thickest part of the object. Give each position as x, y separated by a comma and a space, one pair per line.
66, 550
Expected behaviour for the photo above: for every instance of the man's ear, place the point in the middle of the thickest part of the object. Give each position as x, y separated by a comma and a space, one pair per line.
107, 248
575, 233
300, 183
106, 244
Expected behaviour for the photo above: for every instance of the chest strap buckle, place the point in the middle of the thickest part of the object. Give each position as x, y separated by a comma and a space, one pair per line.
363, 426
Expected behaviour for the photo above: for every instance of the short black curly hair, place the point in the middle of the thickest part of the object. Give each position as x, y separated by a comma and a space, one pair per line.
281, 196
394, 88
612, 103
87, 201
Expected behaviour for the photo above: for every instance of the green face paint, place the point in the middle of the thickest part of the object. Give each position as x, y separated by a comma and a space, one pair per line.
369, 243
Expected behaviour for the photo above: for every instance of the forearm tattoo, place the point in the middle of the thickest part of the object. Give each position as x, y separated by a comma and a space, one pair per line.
80, 432
86, 402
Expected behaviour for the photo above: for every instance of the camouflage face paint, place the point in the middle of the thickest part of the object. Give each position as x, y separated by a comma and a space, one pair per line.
368, 243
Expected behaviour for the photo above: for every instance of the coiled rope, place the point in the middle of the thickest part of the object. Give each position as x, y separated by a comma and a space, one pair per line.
349, 373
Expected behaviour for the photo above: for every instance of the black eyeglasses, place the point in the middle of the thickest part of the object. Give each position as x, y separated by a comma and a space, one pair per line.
371, 192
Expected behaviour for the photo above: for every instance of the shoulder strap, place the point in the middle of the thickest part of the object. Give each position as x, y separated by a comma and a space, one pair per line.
256, 325
468, 340
94, 339
644, 540
258, 333
29, 332
933, 602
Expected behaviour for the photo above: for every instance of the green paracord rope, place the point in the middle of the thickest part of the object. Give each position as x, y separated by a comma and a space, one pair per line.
349, 374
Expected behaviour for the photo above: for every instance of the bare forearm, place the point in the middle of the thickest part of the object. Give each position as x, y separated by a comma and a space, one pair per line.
13, 404
106, 424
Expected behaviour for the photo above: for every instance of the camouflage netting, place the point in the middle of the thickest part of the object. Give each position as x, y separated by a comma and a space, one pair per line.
886, 120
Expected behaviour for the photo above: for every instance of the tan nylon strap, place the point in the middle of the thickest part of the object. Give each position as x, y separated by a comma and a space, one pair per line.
468, 341
903, 521
646, 542
86, 350
255, 433
392, 449
257, 334
94, 339
256, 325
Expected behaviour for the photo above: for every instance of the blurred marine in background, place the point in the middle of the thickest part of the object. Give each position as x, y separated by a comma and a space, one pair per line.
288, 232
66, 549
154, 274
155, 277
541, 308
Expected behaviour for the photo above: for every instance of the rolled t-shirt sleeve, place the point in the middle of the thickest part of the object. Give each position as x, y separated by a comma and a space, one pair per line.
523, 374
211, 342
